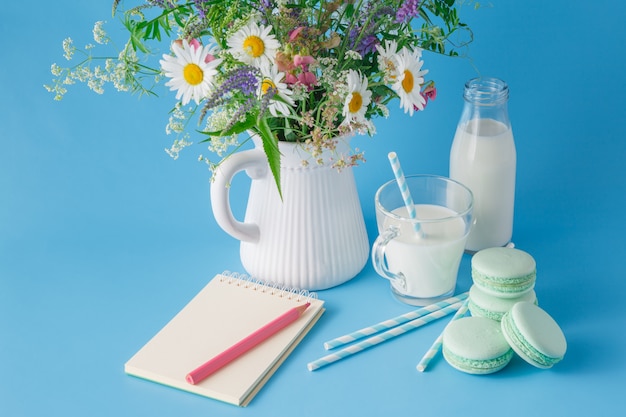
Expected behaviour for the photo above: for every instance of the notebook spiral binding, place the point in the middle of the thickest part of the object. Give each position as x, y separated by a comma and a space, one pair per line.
246, 281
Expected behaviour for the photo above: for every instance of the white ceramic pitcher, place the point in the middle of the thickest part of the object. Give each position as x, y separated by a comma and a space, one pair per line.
314, 238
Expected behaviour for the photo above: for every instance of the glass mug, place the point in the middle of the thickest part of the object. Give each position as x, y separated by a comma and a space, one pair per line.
421, 256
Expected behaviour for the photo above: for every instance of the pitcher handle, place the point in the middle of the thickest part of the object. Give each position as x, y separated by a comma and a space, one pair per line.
378, 258
254, 162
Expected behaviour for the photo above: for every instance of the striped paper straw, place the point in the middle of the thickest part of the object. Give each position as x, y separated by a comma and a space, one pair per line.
396, 321
434, 349
404, 188
380, 338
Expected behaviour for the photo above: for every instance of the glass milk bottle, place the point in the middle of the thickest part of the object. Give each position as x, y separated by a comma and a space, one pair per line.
483, 158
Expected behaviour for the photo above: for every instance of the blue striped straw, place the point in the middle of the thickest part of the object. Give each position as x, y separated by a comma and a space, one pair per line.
404, 188
396, 321
434, 349
380, 338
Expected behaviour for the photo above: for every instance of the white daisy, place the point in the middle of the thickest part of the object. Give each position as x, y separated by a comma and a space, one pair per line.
409, 79
357, 100
254, 45
272, 78
387, 58
190, 74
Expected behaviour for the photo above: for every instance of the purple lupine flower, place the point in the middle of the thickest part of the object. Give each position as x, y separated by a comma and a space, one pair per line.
200, 7
358, 30
164, 4
265, 7
366, 35
408, 10
367, 45
265, 100
244, 79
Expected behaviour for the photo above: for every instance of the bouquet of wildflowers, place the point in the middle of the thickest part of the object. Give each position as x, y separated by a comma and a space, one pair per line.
306, 71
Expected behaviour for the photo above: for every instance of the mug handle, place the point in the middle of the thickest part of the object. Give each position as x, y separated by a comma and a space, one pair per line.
254, 162
378, 257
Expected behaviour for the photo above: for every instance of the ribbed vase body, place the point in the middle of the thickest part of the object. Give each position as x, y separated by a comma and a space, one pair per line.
314, 237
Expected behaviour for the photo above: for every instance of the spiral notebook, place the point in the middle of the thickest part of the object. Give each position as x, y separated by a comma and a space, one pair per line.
225, 311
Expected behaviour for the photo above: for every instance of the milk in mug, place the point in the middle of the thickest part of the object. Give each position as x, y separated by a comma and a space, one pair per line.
428, 259
483, 158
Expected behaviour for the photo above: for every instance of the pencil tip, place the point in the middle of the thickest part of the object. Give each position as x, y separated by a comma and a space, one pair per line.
303, 307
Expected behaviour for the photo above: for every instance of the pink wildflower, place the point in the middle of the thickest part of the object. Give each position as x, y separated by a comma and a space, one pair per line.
308, 78
290, 78
429, 93
297, 70
195, 43
293, 35
303, 61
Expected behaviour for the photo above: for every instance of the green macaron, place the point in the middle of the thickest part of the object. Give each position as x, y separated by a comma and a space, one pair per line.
504, 272
482, 304
475, 345
534, 335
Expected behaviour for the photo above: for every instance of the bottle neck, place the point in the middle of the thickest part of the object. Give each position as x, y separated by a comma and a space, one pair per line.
486, 98
486, 91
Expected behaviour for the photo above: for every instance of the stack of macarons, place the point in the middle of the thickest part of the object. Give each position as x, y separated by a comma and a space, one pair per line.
502, 277
505, 317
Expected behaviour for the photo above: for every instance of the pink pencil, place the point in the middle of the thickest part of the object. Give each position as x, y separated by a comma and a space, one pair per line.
245, 344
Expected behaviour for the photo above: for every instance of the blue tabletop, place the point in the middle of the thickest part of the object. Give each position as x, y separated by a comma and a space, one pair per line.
103, 237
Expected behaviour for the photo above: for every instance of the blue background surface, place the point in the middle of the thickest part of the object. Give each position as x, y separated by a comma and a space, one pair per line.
103, 237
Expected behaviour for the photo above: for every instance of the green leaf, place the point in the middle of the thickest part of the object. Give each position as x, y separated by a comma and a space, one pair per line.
270, 146
178, 20
165, 24
153, 32
350, 9
138, 44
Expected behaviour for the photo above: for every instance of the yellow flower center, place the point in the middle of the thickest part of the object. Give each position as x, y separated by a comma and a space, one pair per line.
356, 102
266, 85
193, 74
407, 81
389, 64
254, 46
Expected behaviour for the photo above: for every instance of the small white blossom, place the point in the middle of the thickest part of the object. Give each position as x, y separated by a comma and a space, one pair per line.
384, 109
99, 35
176, 123
178, 145
56, 70
220, 146
354, 55
68, 48
58, 90
96, 85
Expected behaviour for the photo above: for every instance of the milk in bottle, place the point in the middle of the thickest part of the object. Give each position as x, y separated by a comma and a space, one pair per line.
483, 158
